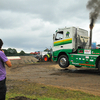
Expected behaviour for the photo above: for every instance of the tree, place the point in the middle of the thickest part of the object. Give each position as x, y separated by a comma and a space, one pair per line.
48, 50
11, 52
22, 52
14, 51
5, 51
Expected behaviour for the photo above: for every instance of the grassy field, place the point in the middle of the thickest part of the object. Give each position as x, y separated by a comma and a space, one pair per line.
43, 92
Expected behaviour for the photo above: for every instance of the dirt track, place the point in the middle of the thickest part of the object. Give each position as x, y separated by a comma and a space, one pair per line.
49, 73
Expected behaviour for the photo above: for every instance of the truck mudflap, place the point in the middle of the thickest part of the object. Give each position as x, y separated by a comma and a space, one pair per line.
83, 60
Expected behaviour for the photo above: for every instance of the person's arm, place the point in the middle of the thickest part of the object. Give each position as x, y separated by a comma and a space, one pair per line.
8, 63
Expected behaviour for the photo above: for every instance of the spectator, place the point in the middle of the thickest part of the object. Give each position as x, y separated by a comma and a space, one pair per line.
3, 61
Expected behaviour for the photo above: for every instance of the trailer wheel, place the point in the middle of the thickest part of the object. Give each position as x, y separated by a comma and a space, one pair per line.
63, 61
45, 58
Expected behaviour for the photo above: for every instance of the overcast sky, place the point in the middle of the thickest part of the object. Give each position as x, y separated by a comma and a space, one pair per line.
29, 25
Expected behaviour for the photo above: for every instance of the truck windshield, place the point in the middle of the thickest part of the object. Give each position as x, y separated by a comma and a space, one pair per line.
59, 35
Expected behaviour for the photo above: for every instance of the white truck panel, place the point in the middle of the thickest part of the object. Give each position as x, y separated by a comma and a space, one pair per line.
71, 33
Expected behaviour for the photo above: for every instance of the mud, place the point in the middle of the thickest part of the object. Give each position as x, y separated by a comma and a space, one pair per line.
21, 98
23, 60
49, 73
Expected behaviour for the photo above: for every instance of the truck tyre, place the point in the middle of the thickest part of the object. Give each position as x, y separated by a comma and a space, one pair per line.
98, 65
45, 58
63, 61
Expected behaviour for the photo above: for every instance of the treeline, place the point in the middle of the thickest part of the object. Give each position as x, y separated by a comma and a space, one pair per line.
13, 52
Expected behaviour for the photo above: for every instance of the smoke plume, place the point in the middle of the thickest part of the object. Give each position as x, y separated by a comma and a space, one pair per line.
94, 7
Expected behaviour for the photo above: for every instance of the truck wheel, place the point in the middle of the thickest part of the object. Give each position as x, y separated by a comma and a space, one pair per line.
63, 61
45, 58
98, 65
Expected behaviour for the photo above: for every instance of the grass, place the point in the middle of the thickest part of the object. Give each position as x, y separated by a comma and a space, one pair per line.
43, 92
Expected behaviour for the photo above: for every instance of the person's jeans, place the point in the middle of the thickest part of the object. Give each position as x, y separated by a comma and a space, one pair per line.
3, 89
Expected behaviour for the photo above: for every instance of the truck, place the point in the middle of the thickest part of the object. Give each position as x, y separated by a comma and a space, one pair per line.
72, 46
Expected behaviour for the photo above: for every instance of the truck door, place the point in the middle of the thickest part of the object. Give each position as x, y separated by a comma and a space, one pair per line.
58, 41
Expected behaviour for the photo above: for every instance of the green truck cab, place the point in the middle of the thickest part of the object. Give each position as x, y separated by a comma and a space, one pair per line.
71, 47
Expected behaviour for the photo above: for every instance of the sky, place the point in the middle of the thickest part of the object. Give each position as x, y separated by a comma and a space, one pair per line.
29, 25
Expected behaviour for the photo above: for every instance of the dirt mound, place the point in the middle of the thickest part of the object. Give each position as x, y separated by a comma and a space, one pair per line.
24, 60
21, 98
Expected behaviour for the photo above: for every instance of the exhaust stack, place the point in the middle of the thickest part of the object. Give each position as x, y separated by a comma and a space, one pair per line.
91, 27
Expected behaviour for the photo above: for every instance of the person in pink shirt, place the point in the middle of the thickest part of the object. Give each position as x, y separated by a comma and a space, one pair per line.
3, 61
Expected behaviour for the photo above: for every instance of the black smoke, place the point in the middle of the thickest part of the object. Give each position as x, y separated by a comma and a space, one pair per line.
94, 7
